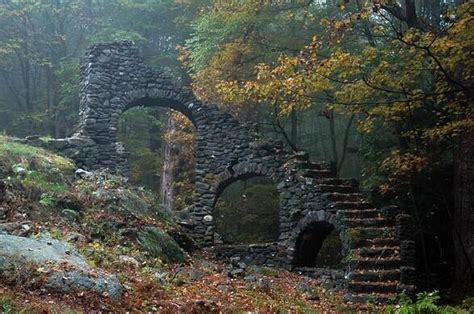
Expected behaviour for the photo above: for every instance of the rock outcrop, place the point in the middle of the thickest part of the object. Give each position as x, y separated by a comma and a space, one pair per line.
54, 265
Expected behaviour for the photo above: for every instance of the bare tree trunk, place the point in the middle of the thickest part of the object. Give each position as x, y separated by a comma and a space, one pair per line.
167, 177
321, 139
345, 143
332, 132
464, 212
294, 128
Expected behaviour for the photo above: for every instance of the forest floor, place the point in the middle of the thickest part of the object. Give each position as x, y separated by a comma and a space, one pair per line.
108, 221
118, 228
214, 292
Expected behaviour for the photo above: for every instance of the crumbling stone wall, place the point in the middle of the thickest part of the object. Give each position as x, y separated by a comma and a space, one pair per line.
115, 78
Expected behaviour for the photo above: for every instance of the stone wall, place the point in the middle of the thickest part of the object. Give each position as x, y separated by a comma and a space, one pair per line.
115, 79
254, 254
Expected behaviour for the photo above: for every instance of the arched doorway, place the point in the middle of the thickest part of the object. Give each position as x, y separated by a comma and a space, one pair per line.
247, 211
318, 245
161, 150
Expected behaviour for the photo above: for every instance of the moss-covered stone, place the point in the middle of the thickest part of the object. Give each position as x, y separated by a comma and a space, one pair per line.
160, 244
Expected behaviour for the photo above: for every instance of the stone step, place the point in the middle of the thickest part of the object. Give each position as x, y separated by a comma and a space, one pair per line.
312, 165
351, 205
301, 156
360, 213
367, 222
370, 287
374, 298
338, 181
366, 263
316, 174
389, 241
374, 275
387, 251
343, 197
338, 188
372, 232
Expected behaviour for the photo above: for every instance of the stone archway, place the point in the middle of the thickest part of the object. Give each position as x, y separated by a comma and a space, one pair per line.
252, 168
247, 211
309, 236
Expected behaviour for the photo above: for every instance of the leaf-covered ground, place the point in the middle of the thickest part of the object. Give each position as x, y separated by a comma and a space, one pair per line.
105, 218
118, 227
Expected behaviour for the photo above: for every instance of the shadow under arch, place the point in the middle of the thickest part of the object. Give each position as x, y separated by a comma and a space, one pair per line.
316, 242
231, 180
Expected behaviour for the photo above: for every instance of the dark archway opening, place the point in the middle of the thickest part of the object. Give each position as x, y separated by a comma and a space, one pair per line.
318, 246
247, 211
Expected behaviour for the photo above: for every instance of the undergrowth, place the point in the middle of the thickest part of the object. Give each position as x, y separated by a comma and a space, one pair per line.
425, 303
160, 244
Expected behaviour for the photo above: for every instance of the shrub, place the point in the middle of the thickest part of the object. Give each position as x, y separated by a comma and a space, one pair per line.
426, 303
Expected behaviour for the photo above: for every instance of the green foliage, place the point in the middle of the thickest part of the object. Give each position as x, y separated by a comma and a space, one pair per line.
52, 182
139, 130
35, 168
468, 304
160, 244
6, 305
47, 200
353, 235
14, 153
425, 303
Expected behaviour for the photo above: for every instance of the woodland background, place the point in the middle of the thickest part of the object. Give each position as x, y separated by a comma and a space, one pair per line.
382, 89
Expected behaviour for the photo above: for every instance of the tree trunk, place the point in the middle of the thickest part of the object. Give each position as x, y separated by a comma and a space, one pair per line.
167, 177
345, 143
464, 212
294, 128
332, 132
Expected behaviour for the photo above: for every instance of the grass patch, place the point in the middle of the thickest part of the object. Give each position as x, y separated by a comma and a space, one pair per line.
426, 302
6, 305
45, 181
35, 168
30, 157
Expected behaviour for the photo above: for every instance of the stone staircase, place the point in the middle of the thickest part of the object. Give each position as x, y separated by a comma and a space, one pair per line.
372, 249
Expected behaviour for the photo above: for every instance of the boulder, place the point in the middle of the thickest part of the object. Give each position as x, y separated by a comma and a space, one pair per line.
65, 269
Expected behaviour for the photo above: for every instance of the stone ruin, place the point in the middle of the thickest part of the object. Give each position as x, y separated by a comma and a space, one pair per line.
376, 246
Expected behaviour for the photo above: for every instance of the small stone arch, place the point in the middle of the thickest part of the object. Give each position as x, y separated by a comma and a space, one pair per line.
320, 224
243, 170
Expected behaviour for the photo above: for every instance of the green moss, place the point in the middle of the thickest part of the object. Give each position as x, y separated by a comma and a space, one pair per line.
29, 156
160, 244
353, 235
44, 181
352, 255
